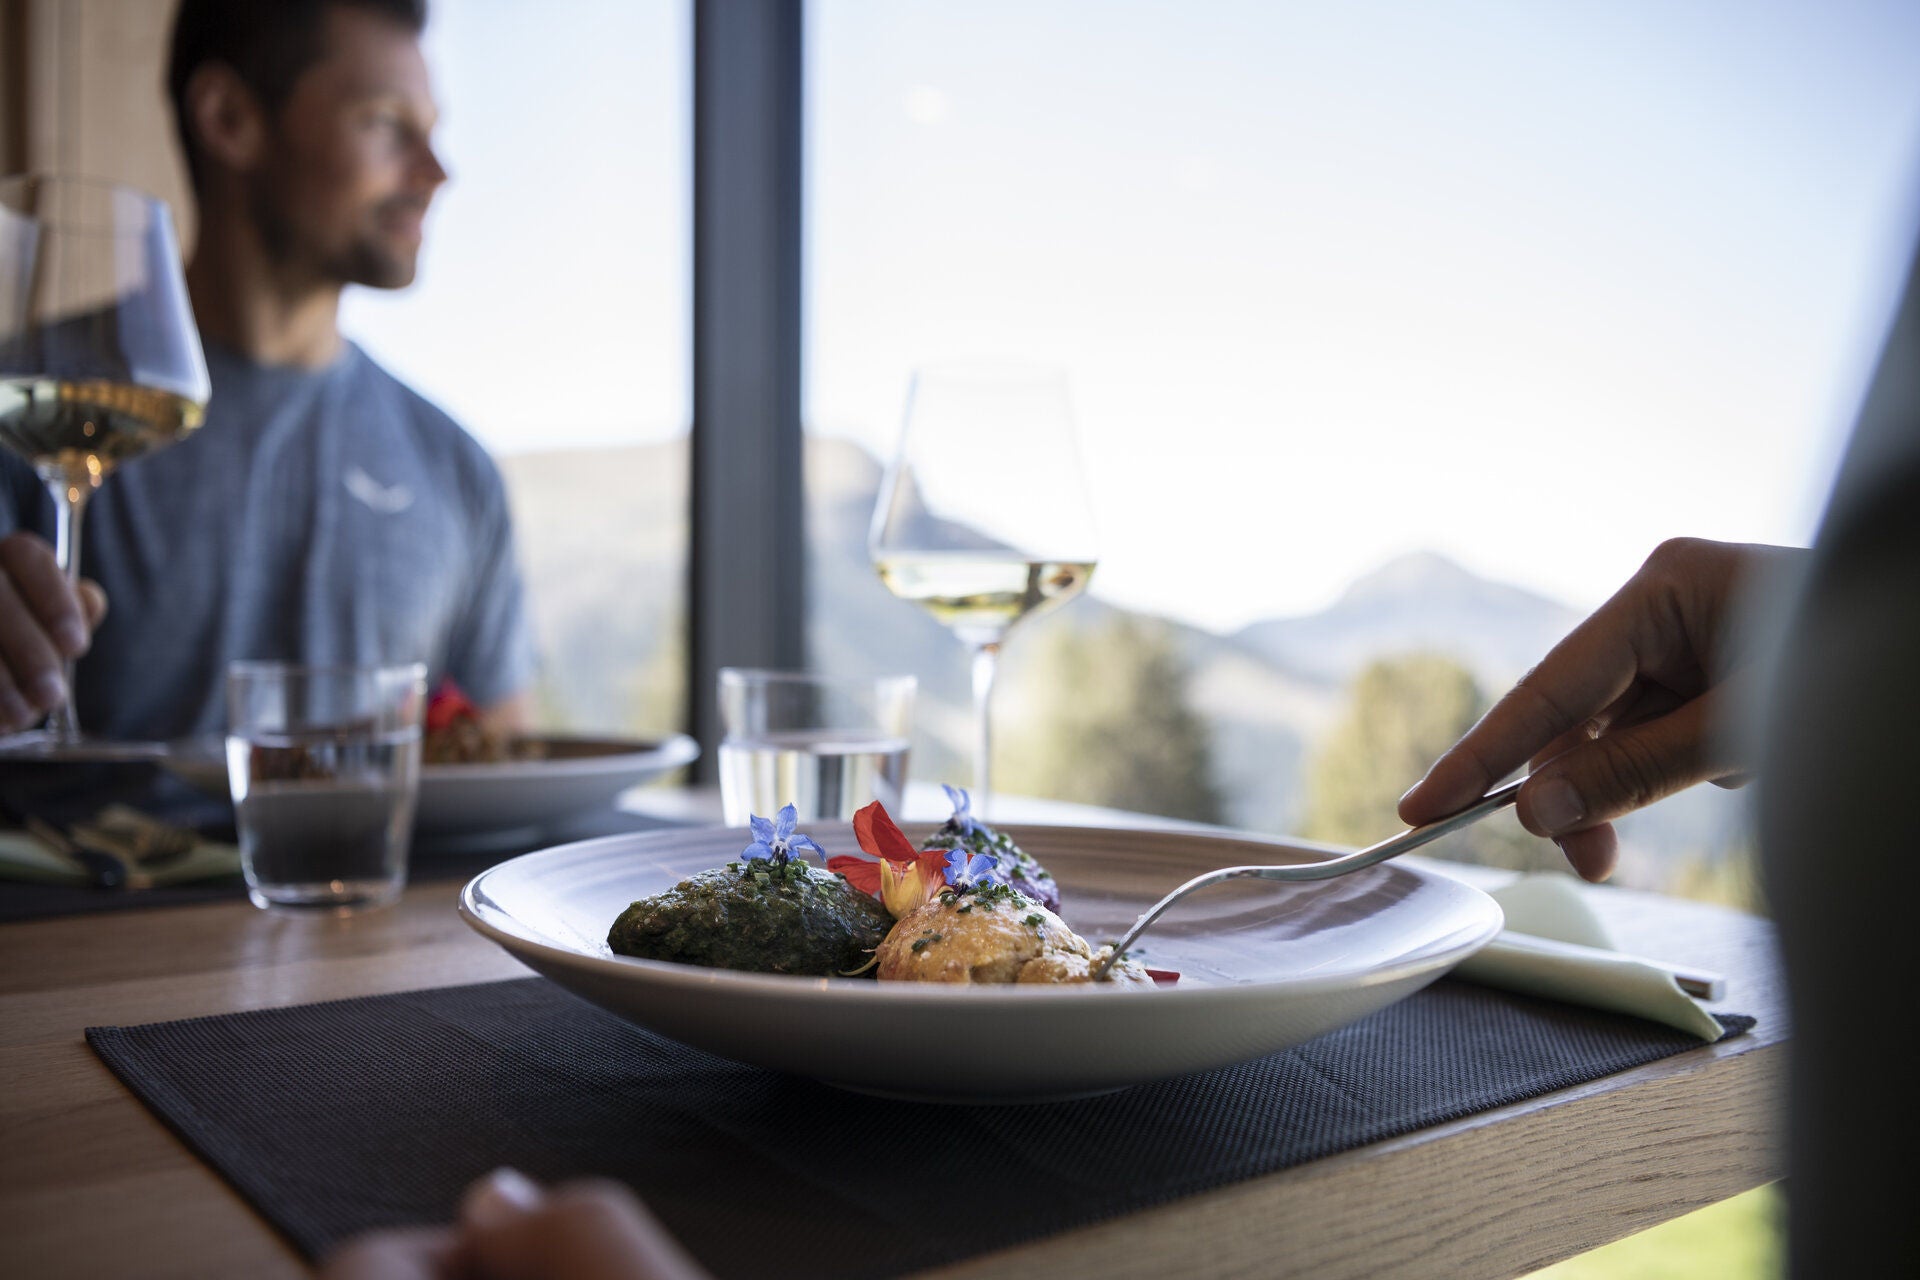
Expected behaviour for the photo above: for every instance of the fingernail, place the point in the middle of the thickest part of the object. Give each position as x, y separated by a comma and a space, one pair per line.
1556, 805
1409, 791
47, 690
71, 637
500, 1197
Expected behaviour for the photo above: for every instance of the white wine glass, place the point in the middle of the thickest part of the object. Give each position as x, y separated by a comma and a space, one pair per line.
983, 516
99, 362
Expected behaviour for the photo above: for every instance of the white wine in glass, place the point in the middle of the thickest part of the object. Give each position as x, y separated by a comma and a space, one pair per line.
99, 363
983, 515
978, 595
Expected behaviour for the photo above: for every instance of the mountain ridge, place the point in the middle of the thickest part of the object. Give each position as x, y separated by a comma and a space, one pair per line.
1419, 600
605, 564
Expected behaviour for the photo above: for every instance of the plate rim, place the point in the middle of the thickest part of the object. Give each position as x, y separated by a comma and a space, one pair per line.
670, 752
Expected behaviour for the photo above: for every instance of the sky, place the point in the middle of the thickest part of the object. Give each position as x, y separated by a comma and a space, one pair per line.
1535, 286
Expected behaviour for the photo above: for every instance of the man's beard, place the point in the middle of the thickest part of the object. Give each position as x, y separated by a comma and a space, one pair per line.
362, 260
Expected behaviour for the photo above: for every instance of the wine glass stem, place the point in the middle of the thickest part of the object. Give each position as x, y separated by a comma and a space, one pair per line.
985, 662
69, 506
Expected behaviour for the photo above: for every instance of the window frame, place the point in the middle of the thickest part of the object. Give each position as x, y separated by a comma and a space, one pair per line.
746, 562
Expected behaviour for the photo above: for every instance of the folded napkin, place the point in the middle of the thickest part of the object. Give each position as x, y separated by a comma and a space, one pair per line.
1555, 946
23, 857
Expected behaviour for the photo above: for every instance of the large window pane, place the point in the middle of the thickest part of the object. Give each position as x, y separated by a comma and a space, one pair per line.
551, 320
1395, 329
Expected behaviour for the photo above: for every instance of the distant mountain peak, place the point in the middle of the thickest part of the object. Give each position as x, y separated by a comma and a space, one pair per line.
1415, 573
1422, 600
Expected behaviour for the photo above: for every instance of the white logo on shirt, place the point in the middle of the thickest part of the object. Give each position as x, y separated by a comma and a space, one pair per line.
388, 500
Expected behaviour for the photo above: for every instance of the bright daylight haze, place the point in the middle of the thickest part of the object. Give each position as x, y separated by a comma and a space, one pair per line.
1534, 286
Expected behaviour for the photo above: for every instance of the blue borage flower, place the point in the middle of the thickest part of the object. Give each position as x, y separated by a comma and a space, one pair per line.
964, 871
775, 840
962, 819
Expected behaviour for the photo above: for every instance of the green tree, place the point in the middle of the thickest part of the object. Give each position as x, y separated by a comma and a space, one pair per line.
1404, 711
1103, 719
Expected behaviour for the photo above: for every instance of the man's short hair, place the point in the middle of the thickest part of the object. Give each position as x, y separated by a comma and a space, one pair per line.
268, 43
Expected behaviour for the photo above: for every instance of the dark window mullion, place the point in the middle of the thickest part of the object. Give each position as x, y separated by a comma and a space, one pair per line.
746, 596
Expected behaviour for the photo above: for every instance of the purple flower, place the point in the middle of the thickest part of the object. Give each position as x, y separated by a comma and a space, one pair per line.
963, 872
775, 840
962, 819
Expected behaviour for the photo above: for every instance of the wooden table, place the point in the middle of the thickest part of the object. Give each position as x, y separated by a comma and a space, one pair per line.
91, 1185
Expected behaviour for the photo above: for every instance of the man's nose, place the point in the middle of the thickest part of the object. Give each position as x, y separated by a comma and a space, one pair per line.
429, 172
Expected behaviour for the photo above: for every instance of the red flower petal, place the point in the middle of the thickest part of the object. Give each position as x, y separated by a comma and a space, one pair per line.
933, 865
448, 704
862, 874
1163, 977
881, 837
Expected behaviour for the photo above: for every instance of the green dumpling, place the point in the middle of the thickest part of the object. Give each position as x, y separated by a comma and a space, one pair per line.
1014, 865
759, 918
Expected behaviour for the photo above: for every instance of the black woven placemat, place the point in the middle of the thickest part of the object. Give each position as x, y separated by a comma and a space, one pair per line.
340, 1117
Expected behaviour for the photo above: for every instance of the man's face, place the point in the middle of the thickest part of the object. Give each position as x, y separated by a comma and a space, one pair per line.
346, 182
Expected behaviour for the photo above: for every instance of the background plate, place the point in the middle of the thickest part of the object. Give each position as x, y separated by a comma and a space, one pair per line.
1263, 966
579, 775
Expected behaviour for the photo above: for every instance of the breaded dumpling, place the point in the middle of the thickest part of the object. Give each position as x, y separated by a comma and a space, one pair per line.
990, 934
1066, 966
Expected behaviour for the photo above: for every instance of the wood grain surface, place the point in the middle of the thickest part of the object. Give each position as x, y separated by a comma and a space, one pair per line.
91, 1185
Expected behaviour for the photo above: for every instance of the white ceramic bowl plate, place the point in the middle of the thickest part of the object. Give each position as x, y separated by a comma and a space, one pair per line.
579, 775
503, 801
1263, 966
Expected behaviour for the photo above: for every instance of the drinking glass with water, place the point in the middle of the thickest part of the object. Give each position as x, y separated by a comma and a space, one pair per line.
324, 763
825, 744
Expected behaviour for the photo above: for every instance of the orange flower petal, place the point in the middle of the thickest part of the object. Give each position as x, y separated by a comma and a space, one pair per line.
861, 873
933, 865
880, 836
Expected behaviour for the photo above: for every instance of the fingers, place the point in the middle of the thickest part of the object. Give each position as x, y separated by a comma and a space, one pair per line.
1559, 700
1592, 853
1638, 750
412, 1253
588, 1230
93, 601
499, 1200
16, 712
40, 585
43, 622
1566, 697
1576, 794
1655, 632
31, 663
511, 1229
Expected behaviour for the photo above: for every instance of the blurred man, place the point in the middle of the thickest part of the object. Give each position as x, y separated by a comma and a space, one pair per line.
325, 512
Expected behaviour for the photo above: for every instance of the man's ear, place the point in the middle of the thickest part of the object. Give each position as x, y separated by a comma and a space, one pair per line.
229, 125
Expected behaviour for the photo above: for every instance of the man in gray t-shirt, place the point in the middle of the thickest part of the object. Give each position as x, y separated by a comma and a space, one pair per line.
324, 512
328, 514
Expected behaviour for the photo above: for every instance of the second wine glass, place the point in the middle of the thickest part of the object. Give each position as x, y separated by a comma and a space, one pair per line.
983, 516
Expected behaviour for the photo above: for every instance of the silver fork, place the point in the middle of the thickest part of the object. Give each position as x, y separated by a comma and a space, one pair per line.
1492, 802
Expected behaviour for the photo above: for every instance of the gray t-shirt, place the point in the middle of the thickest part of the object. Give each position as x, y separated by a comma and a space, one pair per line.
324, 516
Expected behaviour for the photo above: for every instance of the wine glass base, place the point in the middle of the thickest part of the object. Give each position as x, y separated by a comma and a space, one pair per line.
40, 745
